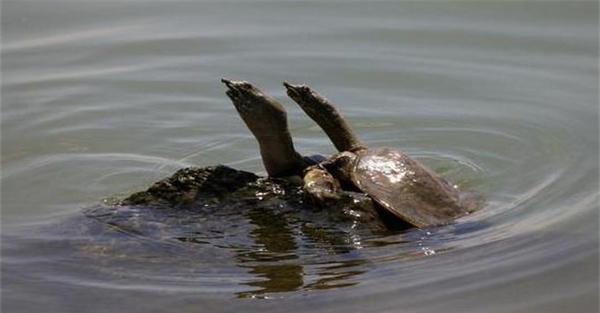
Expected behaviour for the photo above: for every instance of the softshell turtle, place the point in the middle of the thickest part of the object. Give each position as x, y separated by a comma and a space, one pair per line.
399, 184
371, 184
267, 120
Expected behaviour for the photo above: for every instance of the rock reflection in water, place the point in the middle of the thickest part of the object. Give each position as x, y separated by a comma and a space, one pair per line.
338, 275
276, 244
283, 243
275, 259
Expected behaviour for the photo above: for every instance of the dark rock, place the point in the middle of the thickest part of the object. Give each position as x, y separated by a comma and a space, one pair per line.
189, 184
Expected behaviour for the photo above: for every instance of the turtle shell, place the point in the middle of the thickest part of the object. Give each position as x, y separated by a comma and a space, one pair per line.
406, 188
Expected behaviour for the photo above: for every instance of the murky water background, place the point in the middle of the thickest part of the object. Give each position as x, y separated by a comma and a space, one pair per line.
102, 98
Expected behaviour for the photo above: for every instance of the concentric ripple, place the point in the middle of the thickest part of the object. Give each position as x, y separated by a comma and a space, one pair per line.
101, 99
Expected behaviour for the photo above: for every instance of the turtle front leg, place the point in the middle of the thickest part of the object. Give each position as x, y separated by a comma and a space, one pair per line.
326, 116
267, 120
319, 186
323, 190
328, 179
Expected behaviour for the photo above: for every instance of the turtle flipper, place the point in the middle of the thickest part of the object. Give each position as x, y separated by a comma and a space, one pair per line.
326, 116
320, 187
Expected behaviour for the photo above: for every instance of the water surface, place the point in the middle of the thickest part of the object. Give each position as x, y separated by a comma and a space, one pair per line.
102, 98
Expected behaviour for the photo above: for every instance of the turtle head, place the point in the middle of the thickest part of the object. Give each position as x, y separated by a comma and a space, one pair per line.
256, 108
301, 93
324, 113
267, 120
241, 89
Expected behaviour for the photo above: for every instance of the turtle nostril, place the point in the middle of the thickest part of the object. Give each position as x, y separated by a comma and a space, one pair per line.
227, 83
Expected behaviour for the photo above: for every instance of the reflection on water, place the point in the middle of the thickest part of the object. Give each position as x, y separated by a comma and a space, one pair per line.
274, 260
274, 278
281, 246
275, 243
338, 275
102, 98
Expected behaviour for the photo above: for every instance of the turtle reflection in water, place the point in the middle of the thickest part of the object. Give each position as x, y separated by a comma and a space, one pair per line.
329, 203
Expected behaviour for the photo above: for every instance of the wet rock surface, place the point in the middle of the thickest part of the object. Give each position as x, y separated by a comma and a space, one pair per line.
195, 184
198, 200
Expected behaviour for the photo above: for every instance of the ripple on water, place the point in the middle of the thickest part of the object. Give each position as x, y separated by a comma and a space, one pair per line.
262, 255
101, 99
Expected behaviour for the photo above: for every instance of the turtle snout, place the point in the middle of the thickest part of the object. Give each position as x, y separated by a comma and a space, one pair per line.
291, 90
296, 91
227, 82
240, 88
